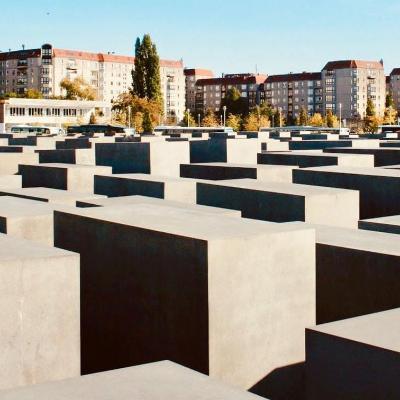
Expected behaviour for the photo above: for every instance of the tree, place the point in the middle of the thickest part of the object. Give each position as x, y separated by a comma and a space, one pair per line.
389, 101
303, 117
33, 94
77, 89
147, 123
251, 122
277, 117
316, 120
332, 120
234, 102
146, 81
390, 116
234, 121
188, 118
371, 121
92, 119
210, 119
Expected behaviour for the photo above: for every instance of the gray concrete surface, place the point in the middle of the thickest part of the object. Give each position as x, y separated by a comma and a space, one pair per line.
10, 181
390, 224
9, 161
68, 156
39, 313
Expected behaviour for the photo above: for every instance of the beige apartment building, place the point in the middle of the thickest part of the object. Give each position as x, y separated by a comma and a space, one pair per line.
348, 84
109, 74
394, 87
192, 75
290, 93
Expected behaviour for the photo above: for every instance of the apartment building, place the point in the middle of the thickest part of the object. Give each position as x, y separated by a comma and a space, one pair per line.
192, 75
290, 93
348, 84
394, 86
210, 92
109, 74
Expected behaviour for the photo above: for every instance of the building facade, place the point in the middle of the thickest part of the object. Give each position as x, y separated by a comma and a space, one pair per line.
348, 84
210, 92
109, 74
292, 92
394, 87
192, 75
19, 111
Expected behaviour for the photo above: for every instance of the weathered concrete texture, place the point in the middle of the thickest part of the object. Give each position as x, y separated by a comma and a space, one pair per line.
10, 181
9, 161
79, 178
68, 156
74, 143
358, 358
224, 171
26, 219
159, 283
39, 313
282, 202
40, 142
158, 158
274, 145
357, 272
314, 158
157, 381
379, 188
382, 156
389, 224
133, 200
162, 187
240, 151
54, 196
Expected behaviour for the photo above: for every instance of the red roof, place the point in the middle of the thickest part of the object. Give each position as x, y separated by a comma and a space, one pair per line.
198, 71
236, 80
19, 54
345, 64
304, 76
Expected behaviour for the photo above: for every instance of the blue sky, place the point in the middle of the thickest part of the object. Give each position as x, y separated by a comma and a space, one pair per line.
225, 36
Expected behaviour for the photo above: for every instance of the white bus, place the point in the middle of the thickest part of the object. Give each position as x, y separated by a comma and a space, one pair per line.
37, 130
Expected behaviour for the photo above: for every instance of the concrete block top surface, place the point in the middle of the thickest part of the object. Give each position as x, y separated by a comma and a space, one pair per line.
157, 381
45, 194
390, 220
281, 187
370, 241
12, 248
16, 207
356, 171
265, 167
152, 178
188, 223
379, 329
96, 168
130, 200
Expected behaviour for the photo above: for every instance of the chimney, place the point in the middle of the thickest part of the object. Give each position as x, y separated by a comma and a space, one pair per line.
23, 47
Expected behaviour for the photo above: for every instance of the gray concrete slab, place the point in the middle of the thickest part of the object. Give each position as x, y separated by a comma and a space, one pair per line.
162, 187
10, 181
206, 298
311, 158
156, 381
157, 158
390, 224
282, 202
379, 188
133, 200
357, 358
39, 313
68, 156
72, 177
9, 161
54, 196
227, 171
26, 219
382, 156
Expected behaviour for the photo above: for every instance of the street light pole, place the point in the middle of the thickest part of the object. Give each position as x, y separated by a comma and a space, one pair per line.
198, 119
224, 108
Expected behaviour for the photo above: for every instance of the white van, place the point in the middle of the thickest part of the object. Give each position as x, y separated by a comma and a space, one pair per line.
37, 130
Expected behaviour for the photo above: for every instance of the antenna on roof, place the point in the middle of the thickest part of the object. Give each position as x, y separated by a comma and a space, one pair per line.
23, 47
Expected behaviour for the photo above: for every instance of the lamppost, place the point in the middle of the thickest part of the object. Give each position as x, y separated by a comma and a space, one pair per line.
129, 117
221, 118
224, 108
340, 117
188, 117
198, 119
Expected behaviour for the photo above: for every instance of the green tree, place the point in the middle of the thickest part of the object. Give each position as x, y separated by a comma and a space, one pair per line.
188, 118
234, 122
389, 101
303, 117
277, 117
234, 102
33, 94
147, 123
146, 75
371, 121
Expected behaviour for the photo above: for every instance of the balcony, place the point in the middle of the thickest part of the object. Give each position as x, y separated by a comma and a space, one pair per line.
22, 64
